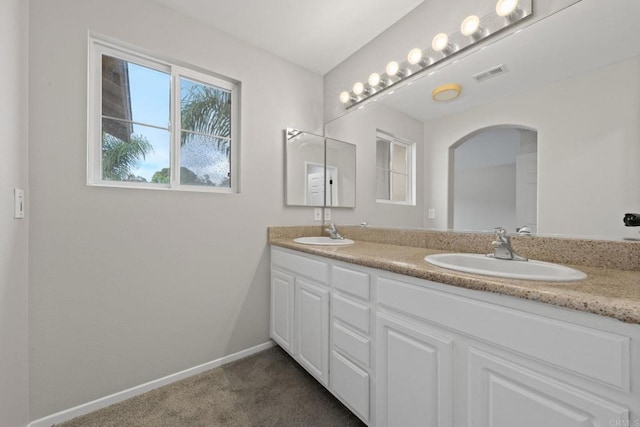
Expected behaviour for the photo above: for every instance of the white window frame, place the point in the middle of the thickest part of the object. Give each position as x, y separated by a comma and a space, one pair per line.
98, 47
410, 160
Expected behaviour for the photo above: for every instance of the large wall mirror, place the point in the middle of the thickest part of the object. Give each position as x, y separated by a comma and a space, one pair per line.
571, 83
319, 171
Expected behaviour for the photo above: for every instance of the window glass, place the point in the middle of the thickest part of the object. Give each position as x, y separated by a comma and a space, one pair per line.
142, 152
394, 171
205, 116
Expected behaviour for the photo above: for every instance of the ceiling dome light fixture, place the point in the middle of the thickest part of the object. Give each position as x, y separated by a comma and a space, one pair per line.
447, 92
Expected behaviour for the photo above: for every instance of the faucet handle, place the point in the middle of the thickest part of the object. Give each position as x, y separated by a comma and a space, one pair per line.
500, 232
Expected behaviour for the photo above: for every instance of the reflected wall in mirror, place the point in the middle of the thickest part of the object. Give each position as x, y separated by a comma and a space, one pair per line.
319, 169
493, 180
580, 92
304, 175
340, 173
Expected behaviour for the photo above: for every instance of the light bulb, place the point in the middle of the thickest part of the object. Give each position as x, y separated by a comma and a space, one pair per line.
345, 97
506, 7
414, 56
440, 42
374, 79
392, 68
358, 88
470, 25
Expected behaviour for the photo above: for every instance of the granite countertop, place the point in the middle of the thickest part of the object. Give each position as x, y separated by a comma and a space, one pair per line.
606, 291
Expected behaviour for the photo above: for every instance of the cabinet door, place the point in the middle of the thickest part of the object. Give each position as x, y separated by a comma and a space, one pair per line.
505, 394
281, 317
414, 375
312, 329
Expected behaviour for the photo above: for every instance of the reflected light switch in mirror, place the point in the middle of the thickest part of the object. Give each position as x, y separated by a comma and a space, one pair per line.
327, 214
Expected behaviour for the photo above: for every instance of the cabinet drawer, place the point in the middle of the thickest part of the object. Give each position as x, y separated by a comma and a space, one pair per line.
350, 384
594, 354
351, 312
352, 282
351, 344
311, 268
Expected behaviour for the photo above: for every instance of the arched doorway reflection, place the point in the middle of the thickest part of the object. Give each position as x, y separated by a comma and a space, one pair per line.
493, 179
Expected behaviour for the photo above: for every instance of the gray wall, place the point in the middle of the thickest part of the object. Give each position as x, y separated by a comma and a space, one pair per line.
130, 285
14, 397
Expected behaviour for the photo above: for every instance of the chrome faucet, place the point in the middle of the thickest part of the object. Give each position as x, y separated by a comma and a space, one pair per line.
502, 247
333, 231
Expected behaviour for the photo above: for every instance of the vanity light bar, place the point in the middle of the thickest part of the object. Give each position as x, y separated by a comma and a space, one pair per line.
443, 46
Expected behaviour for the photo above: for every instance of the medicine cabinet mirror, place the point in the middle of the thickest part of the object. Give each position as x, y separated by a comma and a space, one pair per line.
319, 171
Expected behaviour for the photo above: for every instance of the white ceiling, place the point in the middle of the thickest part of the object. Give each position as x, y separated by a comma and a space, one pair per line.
316, 34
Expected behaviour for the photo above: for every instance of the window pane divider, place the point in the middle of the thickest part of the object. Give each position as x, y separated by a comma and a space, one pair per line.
134, 122
227, 138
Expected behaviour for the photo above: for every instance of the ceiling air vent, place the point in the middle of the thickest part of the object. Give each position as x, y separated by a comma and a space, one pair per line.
486, 75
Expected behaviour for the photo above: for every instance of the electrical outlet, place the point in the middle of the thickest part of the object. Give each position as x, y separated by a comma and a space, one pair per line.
431, 214
317, 214
327, 214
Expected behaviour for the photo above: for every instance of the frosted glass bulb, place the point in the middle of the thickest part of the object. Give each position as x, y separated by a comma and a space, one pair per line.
392, 68
470, 25
358, 88
345, 97
415, 56
506, 7
374, 79
440, 42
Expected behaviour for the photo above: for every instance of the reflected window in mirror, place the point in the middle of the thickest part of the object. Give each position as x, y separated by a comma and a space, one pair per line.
395, 169
494, 180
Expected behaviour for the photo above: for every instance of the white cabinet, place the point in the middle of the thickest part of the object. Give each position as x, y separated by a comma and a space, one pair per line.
507, 394
514, 363
300, 310
282, 292
414, 375
312, 328
350, 368
400, 351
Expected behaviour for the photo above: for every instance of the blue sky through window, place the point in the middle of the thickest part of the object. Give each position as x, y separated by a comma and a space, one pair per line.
150, 92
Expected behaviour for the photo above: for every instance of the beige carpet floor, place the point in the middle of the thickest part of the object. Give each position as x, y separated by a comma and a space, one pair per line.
265, 389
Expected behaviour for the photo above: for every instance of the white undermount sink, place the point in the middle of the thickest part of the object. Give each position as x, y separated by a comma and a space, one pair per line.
322, 241
527, 270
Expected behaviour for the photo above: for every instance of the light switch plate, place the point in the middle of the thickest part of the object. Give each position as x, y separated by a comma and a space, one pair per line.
431, 214
18, 203
317, 214
327, 214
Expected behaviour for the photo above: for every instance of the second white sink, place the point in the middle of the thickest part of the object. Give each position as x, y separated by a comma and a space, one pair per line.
527, 270
322, 241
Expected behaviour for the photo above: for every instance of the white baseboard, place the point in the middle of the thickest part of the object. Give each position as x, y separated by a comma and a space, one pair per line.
103, 402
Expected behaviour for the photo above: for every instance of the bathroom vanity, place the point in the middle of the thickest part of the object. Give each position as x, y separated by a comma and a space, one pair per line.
404, 343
